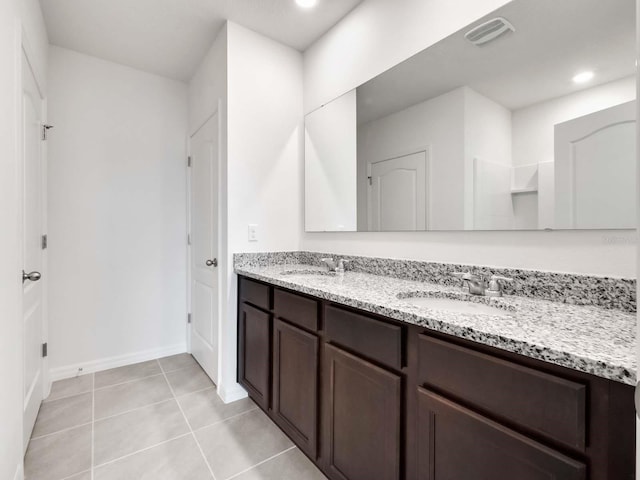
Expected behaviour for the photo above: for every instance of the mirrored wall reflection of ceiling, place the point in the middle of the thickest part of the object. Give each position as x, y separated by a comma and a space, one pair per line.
170, 37
575, 35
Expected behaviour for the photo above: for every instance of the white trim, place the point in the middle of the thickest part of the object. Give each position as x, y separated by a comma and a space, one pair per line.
70, 371
19, 472
236, 392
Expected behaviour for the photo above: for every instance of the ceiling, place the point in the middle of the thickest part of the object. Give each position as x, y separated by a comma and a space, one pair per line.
553, 41
170, 37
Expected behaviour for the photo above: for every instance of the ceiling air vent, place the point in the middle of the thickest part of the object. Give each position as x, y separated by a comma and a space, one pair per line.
489, 31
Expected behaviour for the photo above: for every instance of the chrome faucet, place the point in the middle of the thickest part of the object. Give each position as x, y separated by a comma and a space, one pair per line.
478, 285
495, 285
333, 266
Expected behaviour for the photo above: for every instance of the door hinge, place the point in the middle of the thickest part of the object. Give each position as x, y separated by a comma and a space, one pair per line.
45, 242
45, 128
45, 350
370, 180
188, 318
188, 239
189, 161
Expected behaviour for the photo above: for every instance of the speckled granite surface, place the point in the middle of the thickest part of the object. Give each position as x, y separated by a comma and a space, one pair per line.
586, 338
602, 292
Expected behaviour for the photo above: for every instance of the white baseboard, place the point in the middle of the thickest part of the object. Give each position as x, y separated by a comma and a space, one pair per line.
69, 371
231, 394
19, 472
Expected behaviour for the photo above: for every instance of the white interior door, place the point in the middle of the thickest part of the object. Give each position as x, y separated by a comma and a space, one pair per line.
595, 170
398, 194
32, 248
204, 246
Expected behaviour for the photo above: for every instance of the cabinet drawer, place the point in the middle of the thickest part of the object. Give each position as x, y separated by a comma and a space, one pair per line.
457, 443
255, 293
296, 309
372, 338
545, 404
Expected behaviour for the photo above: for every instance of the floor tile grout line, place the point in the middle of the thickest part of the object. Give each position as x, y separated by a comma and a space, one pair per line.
196, 391
95, 420
47, 400
171, 439
128, 381
262, 462
162, 372
131, 454
75, 474
63, 430
204, 457
224, 420
135, 409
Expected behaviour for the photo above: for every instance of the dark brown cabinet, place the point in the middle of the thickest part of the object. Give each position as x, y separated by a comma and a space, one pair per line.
370, 398
456, 443
254, 353
295, 384
362, 422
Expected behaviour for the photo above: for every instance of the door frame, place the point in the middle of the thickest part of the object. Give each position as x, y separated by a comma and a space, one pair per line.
404, 153
25, 50
221, 260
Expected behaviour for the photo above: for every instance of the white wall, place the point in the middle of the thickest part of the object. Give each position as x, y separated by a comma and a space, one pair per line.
487, 144
14, 15
331, 165
117, 212
437, 124
372, 38
208, 86
265, 158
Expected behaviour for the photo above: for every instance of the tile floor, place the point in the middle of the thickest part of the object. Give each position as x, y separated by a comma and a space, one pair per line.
157, 420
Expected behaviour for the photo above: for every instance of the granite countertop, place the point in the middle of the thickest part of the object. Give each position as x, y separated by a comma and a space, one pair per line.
590, 339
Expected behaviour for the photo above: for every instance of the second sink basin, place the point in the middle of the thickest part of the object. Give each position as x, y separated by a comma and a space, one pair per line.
463, 303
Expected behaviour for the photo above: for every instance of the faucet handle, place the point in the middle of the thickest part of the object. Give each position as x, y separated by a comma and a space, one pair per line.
495, 287
341, 263
461, 275
329, 262
500, 278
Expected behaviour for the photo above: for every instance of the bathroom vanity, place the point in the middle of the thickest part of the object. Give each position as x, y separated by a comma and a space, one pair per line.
371, 386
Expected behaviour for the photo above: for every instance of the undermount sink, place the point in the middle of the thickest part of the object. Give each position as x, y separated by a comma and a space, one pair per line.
454, 303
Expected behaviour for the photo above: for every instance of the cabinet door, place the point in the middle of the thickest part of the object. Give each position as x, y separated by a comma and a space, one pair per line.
295, 384
362, 418
456, 443
254, 353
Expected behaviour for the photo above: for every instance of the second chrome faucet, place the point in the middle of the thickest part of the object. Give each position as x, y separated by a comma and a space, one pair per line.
479, 285
333, 266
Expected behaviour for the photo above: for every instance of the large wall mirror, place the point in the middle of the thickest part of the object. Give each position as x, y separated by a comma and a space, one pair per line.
524, 120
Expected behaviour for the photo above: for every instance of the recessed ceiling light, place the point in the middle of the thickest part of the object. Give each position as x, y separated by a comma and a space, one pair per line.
583, 77
306, 3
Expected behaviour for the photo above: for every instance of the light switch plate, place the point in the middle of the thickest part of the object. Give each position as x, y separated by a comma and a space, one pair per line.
253, 233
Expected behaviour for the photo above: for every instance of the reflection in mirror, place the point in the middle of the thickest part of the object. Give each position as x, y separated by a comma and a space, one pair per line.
534, 129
